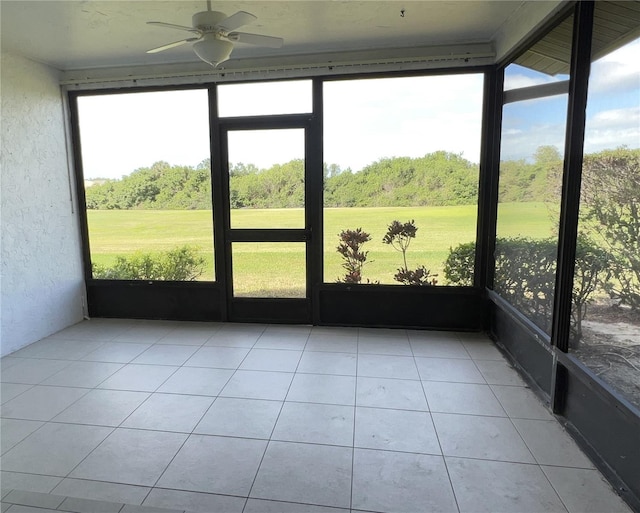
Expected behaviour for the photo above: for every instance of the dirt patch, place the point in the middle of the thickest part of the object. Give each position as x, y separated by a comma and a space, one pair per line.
610, 347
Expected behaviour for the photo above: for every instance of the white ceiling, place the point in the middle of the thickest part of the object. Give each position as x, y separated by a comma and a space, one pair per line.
86, 34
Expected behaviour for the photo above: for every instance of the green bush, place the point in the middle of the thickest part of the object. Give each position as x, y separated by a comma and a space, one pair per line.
179, 264
525, 272
593, 271
610, 208
458, 268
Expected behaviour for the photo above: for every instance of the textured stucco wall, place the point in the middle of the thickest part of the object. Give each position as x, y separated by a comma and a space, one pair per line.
41, 283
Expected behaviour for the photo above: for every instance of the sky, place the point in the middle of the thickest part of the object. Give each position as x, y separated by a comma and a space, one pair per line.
613, 108
367, 120
364, 120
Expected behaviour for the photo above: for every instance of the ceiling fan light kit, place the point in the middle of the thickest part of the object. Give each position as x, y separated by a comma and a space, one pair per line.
215, 34
212, 50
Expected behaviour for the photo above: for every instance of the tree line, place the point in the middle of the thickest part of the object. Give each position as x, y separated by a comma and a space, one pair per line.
436, 179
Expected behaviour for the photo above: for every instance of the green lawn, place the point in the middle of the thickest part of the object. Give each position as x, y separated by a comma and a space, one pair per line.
279, 266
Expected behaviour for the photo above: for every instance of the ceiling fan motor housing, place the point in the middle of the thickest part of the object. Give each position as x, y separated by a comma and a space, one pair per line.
207, 20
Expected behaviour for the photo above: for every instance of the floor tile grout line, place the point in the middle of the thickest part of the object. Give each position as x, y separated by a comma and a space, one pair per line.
44, 423
295, 503
169, 489
133, 362
493, 393
435, 430
374, 407
397, 451
515, 426
26, 384
69, 362
36, 357
90, 388
266, 448
556, 491
151, 488
249, 398
215, 399
327, 444
165, 335
467, 414
68, 474
466, 350
355, 420
84, 479
151, 393
237, 368
444, 458
509, 462
511, 420
424, 392
536, 460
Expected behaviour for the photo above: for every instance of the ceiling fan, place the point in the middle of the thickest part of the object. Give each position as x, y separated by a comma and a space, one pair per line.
214, 35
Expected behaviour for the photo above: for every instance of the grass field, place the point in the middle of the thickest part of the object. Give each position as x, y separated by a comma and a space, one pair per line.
278, 268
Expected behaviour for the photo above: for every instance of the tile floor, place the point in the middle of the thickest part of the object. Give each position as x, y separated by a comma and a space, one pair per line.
254, 418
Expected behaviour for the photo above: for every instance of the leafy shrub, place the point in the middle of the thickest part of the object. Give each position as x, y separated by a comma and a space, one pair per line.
179, 264
399, 236
421, 276
350, 247
592, 272
458, 268
610, 207
525, 272
525, 276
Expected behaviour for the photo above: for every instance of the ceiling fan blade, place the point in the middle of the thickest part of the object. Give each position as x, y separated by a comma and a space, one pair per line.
236, 20
173, 26
172, 45
256, 39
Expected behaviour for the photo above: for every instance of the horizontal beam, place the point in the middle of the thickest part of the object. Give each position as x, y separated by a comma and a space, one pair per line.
265, 122
268, 235
284, 66
536, 91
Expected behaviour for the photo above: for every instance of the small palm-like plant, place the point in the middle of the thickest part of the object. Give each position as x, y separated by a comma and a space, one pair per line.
399, 236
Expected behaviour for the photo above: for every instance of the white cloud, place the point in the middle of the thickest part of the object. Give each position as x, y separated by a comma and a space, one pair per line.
524, 145
606, 129
529, 124
509, 132
613, 107
615, 118
613, 128
617, 71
